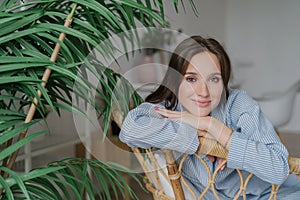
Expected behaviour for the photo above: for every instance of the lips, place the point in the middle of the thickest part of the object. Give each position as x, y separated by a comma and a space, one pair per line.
202, 103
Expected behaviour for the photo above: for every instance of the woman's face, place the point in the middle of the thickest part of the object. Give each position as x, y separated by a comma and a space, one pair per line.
201, 88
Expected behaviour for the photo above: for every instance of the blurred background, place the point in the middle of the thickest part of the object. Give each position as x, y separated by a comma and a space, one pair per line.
262, 38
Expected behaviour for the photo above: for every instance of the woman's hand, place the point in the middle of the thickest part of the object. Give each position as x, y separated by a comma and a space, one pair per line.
206, 124
199, 123
207, 127
217, 129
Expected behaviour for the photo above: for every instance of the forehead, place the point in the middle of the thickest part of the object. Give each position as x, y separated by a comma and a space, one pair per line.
203, 63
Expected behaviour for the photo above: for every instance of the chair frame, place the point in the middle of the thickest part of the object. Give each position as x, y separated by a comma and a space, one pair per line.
174, 177
208, 147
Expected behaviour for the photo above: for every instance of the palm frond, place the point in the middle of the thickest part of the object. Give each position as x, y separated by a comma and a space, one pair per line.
71, 179
29, 32
33, 31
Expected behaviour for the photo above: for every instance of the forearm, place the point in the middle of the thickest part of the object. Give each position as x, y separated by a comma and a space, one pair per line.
219, 131
165, 138
267, 161
145, 128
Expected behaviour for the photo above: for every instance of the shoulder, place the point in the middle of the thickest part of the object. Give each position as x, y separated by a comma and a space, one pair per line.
146, 106
239, 101
237, 96
142, 109
145, 109
149, 106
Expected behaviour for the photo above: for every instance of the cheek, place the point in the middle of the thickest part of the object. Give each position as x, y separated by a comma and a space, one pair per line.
216, 94
185, 90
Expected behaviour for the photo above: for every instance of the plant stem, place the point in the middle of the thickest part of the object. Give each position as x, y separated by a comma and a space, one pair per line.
45, 78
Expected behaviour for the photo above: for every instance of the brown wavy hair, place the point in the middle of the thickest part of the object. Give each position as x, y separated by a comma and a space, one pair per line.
179, 61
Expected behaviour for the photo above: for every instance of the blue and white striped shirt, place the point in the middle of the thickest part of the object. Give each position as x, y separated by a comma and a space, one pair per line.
255, 147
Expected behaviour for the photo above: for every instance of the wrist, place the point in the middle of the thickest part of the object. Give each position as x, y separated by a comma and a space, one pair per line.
220, 132
215, 127
227, 140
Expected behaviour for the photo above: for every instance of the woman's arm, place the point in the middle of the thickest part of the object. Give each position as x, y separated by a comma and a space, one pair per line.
144, 127
253, 144
256, 148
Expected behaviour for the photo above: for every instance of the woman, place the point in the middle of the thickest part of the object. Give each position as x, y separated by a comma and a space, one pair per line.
194, 99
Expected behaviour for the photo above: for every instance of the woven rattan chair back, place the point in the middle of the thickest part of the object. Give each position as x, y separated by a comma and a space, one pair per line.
153, 170
174, 178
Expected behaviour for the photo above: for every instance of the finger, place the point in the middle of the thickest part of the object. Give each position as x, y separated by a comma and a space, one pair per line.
211, 158
208, 135
163, 109
166, 111
201, 133
220, 161
172, 114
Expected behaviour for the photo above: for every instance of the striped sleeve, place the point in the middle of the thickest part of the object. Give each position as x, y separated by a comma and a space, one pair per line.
255, 145
144, 127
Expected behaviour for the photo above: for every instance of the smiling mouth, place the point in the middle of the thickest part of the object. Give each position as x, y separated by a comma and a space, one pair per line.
203, 103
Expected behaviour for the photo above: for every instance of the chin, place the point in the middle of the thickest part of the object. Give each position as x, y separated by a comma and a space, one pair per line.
200, 113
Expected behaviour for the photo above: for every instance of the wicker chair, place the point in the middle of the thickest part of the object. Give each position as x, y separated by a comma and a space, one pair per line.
208, 147
156, 178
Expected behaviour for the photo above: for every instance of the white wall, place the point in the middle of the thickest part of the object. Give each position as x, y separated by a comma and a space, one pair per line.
262, 37
210, 22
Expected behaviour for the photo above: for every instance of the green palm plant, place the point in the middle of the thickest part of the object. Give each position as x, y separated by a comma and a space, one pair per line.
31, 73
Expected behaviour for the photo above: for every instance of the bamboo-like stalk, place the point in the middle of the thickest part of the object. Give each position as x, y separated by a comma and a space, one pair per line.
45, 78
174, 174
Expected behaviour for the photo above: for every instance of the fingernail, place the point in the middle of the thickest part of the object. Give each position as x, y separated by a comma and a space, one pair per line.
156, 108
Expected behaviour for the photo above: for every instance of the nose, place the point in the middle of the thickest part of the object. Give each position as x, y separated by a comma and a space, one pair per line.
201, 88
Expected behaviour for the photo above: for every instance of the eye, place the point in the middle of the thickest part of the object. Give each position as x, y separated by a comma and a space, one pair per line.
190, 79
215, 79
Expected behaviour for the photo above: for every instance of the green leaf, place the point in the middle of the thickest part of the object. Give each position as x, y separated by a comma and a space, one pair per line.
9, 150
19, 34
8, 192
17, 23
18, 66
94, 5
18, 180
17, 59
31, 175
10, 112
8, 134
18, 79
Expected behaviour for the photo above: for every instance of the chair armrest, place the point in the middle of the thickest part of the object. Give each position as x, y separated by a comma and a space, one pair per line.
214, 148
294, 164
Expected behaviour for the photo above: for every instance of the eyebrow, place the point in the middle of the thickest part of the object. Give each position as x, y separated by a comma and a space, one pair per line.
194, 73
